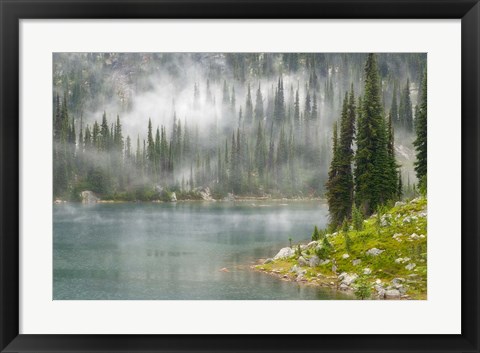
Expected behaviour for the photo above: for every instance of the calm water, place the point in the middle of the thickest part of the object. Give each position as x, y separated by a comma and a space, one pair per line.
176, 251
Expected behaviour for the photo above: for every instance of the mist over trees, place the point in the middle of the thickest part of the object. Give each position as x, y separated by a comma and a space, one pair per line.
132, 126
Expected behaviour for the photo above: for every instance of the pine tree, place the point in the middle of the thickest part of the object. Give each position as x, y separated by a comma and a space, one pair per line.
371, 158
259, 105
260, 150
332, 185
249, 107
405, 111
296, 111
420, 142
394, 106
279, 105
105, 133
340, 186
150, 153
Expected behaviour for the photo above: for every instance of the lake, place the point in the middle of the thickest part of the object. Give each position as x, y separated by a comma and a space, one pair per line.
158, 251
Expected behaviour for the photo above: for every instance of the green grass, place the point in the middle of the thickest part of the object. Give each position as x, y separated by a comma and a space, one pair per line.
405, 220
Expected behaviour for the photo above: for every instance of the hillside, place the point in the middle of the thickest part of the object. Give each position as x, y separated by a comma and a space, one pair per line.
387, 259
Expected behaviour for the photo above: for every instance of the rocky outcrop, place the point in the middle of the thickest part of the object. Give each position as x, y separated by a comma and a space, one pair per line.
88, 196
206, 194
173, 197
284, 253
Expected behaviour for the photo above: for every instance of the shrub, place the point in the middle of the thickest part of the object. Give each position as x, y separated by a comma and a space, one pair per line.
316, 234
357, 218
362, 288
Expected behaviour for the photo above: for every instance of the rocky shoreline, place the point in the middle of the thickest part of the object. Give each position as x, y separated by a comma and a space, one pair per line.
343, 282
386, 260
202, 194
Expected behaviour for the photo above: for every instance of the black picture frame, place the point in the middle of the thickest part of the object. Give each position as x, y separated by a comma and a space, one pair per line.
12, 11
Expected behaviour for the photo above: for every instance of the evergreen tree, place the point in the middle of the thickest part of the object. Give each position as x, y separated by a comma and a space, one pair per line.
150, 153
394, 107
371, 158
249, 107
259, 105
340, 187
105, 133
296, 111
332, 185
420, 142
405, 111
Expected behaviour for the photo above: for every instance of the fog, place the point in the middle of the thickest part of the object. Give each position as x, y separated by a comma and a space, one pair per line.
186, 92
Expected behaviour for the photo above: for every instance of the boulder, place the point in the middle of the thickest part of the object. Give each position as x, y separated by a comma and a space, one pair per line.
410, 266
392, 294
380, 291
88, 196
173, 197
284, 253
302, 262
398, 280
356, 262
374, 252
312, 244
347, 278
414, 236
324, 262
314, 261
385, 220
298, 270
205, 194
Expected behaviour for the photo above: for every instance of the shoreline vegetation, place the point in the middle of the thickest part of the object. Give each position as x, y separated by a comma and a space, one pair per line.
383, 258
203, 194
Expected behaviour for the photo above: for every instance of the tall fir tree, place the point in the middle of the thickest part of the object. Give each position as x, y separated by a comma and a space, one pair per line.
420, 142
372, 157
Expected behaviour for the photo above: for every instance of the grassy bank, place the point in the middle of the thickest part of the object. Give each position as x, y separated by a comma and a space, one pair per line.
385, 257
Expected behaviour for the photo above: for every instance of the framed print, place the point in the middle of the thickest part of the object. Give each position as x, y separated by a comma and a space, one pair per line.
228, 176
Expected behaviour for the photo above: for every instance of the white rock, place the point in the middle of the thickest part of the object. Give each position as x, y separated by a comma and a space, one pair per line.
380, 291
88, 196
356, 262
345, 256
410, 266
374, 252
347, 278
267, 261
313, 261
284, 253
367, 271
302, 262
399, 203
392, 294
312, 244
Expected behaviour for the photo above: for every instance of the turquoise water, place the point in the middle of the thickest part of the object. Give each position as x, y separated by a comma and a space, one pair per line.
176, 251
